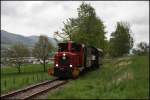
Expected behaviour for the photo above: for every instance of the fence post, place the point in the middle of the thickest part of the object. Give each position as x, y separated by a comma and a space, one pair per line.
41, 77
27, 80
23, 81
13, 80
37, 77
33, 77
5, 83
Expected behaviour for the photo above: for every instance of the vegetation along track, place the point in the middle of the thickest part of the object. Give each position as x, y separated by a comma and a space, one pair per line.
35, 90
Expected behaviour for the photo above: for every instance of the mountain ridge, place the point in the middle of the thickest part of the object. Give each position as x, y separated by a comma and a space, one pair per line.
8, 39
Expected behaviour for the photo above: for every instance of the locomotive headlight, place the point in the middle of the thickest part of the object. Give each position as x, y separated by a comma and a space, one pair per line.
64, 58
70, 65
64, 54
56, 65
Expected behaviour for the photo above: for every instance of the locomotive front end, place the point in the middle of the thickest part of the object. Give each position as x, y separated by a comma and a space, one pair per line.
62, 65
67, 60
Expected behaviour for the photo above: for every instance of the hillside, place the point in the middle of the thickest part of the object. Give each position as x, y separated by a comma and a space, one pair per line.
8, 39
121, 78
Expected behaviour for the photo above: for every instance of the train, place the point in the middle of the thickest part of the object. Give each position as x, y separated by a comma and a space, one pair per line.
73, 58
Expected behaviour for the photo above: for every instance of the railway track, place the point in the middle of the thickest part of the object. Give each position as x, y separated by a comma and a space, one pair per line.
35, 90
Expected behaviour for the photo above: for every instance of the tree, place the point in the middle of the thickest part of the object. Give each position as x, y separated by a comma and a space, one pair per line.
42, 49
87, 28
67, 31
16, 55
142, 48
121, 41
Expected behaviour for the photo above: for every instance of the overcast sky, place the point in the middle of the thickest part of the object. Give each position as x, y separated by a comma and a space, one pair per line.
45, 17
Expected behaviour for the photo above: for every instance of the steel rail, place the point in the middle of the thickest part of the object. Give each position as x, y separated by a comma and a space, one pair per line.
48, 83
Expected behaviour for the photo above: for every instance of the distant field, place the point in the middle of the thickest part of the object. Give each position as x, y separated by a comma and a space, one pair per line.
30, 74
121, 78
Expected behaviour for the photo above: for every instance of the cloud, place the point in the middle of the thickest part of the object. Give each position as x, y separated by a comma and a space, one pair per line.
46, 17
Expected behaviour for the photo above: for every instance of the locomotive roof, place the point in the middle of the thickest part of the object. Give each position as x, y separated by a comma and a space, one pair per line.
100, 50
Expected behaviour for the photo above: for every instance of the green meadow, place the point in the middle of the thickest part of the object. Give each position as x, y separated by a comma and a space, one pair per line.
119, 78
30, 74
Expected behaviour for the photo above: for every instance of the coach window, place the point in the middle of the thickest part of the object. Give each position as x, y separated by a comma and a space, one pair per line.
62, 47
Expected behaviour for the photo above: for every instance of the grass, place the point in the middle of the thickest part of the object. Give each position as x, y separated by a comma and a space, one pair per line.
30, 74
121, 78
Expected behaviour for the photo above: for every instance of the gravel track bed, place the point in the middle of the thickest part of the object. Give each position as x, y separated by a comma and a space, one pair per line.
22, 95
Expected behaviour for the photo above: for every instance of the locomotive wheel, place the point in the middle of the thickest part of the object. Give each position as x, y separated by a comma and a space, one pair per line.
75, 72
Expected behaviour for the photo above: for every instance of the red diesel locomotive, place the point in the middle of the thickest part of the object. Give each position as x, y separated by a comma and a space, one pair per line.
73, 58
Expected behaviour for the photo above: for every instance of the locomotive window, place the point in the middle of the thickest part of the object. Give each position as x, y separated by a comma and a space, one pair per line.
75, 47
62, 47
